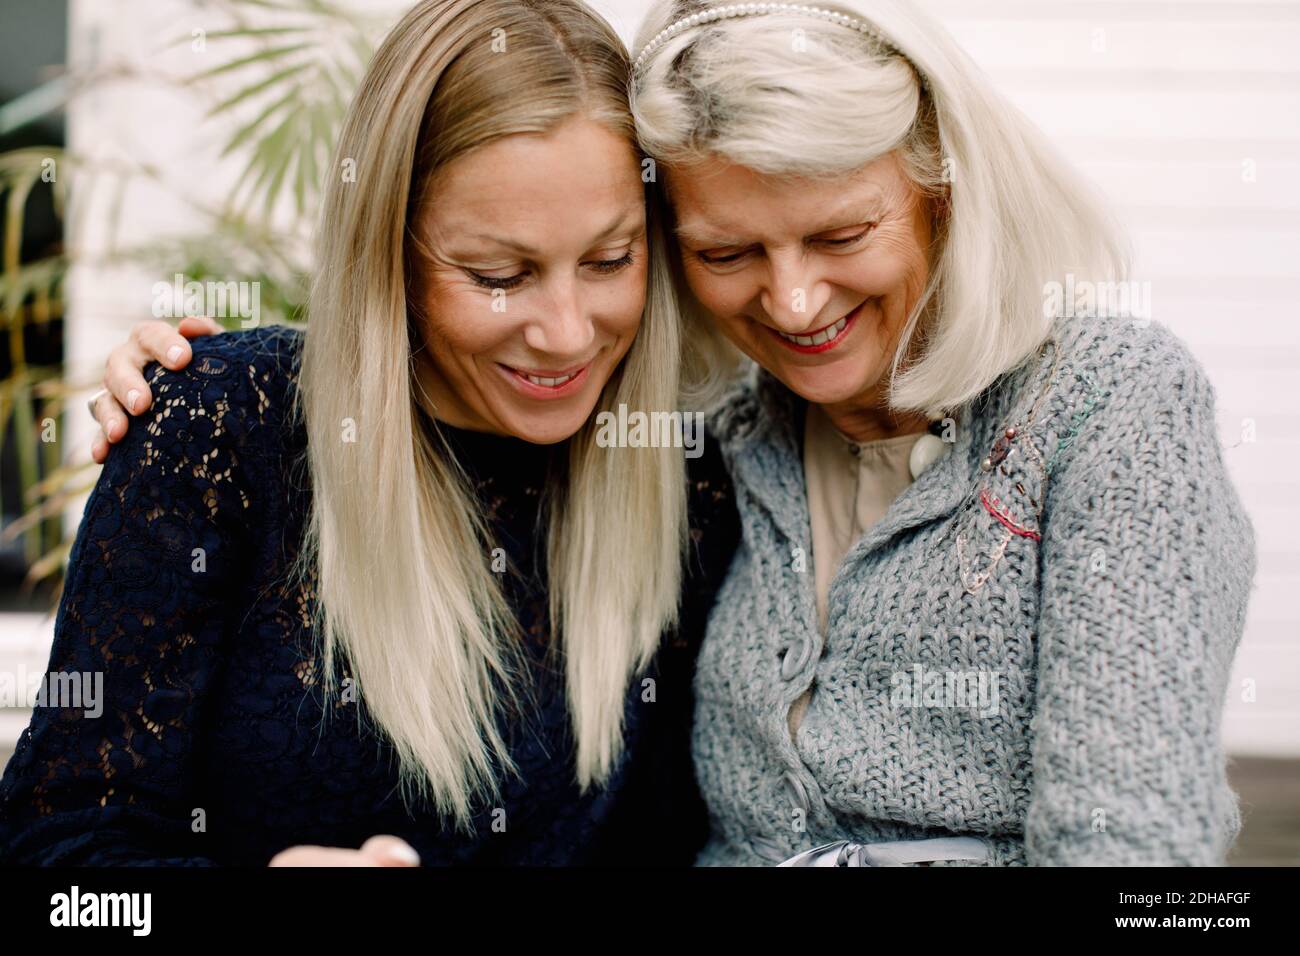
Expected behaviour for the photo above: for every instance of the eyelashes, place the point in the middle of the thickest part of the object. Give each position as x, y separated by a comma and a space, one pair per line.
838, 243
601, 266
496, 282
719, 260
848, 240
608, 266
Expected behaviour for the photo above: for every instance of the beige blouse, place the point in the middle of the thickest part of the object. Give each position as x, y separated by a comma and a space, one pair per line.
850, 487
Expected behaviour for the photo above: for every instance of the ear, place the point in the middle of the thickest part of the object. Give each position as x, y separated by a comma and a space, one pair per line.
943, 204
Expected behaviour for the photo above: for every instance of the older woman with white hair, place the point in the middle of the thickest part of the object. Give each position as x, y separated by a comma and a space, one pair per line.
993, 569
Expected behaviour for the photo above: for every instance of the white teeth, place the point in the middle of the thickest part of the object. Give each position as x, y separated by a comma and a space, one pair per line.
548, 382
820, 338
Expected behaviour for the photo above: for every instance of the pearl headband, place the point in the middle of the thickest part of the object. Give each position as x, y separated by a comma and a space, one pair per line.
730, 11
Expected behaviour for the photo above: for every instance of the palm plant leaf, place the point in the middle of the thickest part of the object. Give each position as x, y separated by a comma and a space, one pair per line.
299, 88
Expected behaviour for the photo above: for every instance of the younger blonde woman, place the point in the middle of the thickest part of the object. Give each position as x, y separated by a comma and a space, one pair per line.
375, 594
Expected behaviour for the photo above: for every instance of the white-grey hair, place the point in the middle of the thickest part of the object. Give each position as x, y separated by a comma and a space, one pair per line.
787, 93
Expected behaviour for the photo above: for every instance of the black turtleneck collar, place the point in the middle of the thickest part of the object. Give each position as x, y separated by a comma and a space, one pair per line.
502, 459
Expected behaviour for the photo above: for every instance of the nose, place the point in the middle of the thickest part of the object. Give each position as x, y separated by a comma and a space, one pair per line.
792, 295
565, 329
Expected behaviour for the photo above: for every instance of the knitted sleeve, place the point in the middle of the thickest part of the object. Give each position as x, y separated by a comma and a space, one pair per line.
1147, 563
103, 774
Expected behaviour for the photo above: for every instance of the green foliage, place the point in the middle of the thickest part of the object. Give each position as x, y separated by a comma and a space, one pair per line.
281, 84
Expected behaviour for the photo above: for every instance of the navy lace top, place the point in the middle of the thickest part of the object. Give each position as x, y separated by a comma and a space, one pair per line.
209, 747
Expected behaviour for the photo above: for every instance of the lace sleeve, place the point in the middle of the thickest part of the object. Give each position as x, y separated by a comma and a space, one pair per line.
103, 774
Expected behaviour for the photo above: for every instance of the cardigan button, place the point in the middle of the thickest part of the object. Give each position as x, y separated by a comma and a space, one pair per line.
796, 656
925, 452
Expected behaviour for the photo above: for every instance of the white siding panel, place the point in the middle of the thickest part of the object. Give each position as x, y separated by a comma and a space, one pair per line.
1163, 115
1206, 49
1210, 188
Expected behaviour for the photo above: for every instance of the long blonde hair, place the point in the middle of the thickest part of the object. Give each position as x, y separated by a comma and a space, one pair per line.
395, 538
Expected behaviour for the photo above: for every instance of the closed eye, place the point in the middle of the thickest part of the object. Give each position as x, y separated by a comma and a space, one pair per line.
607, 266
714, 258
839, 241
497, 282
719, 257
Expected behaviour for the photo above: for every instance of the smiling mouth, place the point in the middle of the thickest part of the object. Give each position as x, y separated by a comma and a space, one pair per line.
822, 339
545, 383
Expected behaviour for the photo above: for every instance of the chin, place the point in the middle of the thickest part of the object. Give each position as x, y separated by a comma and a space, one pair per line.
551, 426
546, 429
822, 386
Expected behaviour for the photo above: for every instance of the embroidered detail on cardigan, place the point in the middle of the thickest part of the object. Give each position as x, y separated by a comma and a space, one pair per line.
997, 509
973, 581
1090, 402
1001, 460
1033, 453
1028, 476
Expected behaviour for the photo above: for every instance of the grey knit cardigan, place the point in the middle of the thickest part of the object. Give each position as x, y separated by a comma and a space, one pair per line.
1031, 647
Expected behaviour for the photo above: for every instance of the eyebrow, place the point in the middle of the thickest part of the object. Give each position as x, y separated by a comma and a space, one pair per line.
691, 234
842, 219
524, 249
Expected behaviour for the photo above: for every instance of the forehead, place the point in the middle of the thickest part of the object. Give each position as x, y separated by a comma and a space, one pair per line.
579, 172
715, 197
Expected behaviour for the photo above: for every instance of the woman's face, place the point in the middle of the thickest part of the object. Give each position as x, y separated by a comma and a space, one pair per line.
535, 281
811, 278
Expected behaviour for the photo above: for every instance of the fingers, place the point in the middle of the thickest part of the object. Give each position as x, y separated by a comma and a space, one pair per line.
128, 394
152, 341
159, 342
99, 448
319, 856
112, 419
125, 383
377, 851
192, 327
390, 851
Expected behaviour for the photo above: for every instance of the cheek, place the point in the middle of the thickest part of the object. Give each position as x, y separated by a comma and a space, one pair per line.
626, 299
894, 265
616, 305
458, 320
723, 296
